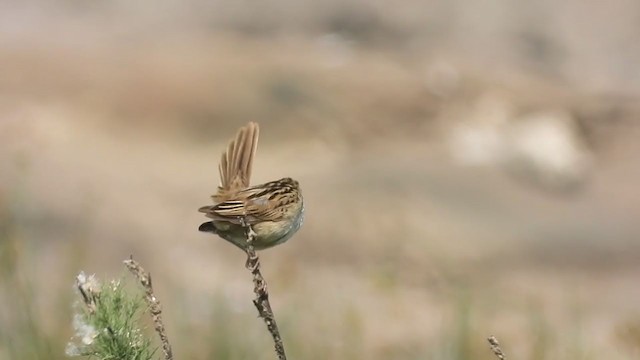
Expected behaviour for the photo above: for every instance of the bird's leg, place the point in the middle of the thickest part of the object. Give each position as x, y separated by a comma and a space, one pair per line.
252, 258
251, 235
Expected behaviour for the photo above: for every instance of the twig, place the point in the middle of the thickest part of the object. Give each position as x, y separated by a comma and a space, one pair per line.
495, 347
154, 305
90, 291
261, 301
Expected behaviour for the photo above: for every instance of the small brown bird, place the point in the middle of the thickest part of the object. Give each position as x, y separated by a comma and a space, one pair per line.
274, 210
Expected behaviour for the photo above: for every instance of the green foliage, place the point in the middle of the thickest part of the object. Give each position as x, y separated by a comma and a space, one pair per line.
22, 335
109, 327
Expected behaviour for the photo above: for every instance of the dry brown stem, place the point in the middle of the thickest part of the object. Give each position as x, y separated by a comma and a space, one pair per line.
495, 347
261, 301
154, 305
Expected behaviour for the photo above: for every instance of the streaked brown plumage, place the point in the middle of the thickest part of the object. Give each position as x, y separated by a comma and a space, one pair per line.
274, 209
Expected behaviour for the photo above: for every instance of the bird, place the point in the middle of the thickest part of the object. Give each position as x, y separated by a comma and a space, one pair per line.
273, 211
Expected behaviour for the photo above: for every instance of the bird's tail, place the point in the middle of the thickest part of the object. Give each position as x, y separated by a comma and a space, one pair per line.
235, 164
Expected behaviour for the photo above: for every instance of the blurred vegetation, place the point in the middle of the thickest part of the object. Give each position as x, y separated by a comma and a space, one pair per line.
108, 322
22, 335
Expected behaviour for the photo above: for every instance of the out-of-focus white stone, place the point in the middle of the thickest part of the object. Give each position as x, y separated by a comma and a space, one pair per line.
478, 139
547, 147
543, 147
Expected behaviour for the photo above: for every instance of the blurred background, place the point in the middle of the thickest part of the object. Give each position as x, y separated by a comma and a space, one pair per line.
469, 169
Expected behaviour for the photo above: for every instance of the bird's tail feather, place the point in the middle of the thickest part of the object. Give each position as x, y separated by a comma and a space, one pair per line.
235, 164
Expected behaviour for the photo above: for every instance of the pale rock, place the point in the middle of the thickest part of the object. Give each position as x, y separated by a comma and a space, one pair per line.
546, 147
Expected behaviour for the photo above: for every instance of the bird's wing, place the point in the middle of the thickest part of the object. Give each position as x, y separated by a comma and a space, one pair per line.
265, 202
